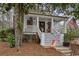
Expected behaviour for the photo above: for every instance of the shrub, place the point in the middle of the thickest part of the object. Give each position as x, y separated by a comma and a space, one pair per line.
9, 31
4, 33
11, 40
71, 34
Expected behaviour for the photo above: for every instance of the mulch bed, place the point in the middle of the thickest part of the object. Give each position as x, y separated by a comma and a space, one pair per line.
27, 49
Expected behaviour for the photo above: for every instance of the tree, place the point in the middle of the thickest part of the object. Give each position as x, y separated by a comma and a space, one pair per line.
17, 23
20, 10
76, 12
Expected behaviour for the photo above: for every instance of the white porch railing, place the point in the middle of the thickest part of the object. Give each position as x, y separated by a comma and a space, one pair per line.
30, 28
46, 39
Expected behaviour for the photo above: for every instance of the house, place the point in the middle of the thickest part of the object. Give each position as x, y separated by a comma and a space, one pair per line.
48, 28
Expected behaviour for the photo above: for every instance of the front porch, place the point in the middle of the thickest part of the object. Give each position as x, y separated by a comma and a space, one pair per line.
46, 27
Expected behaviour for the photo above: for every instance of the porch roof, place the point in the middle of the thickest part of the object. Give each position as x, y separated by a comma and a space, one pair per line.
43, 15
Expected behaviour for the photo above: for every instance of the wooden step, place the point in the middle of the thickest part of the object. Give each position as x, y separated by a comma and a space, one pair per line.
65, 50
60, 48
67, 54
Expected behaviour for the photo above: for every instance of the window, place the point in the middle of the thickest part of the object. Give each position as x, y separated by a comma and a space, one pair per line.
30, 21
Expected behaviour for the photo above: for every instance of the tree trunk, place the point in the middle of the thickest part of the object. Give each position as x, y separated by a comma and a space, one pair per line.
18, 19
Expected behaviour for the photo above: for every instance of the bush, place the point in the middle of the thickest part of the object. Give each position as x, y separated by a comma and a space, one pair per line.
10, 31
11, 40
71, 34
4, 33
9, 35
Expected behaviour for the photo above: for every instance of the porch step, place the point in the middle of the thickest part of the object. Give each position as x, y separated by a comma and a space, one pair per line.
65, 50
61, 47
68, 54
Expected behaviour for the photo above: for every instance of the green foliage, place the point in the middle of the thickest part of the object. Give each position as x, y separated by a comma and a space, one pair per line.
20, 25
71, 34
9, 31
27, 7
9, 35
4, 33
11, 40
76, 12
6, 6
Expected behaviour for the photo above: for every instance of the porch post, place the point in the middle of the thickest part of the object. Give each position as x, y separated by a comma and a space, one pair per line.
37, 23
52, 25
65, 26
46, 26
25, 24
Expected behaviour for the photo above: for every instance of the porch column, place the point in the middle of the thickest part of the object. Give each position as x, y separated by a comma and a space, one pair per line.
37, 23
65, 26
52, 25
46, 26
25, 24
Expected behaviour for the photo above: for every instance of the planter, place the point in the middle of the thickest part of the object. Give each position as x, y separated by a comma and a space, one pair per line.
66, 44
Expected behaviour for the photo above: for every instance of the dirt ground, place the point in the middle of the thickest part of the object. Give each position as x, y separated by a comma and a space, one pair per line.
27, 49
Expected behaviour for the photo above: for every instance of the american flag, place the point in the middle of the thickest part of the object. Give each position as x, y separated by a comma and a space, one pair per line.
72, 23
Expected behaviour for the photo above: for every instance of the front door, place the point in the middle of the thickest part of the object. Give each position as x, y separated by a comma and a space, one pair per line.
42, 26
